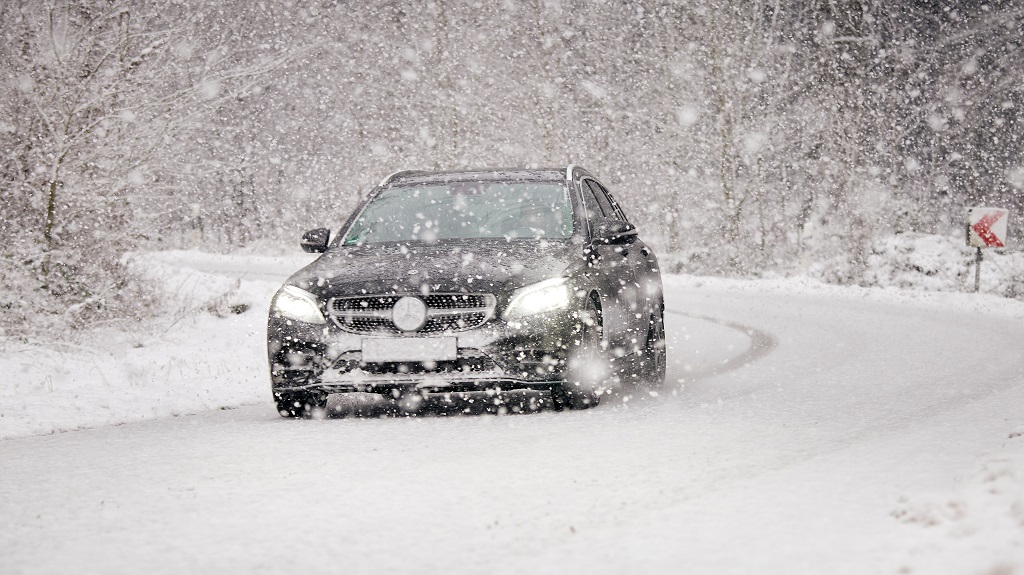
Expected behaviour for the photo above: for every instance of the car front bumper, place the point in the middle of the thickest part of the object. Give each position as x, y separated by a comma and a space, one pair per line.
500, 355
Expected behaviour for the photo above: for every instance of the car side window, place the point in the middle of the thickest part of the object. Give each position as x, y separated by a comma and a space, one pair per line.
594, 210
610, 207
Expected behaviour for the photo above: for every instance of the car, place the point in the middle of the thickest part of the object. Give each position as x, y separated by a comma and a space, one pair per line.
447, 283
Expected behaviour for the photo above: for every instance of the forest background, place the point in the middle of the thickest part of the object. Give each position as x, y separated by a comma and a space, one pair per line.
744, 137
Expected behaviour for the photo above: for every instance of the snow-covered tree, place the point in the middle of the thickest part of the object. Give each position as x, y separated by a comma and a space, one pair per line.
743, 137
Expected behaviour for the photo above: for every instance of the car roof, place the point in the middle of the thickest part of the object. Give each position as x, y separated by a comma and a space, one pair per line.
409, 177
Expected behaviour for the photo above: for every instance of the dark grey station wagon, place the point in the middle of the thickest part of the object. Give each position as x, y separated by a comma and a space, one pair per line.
450, 283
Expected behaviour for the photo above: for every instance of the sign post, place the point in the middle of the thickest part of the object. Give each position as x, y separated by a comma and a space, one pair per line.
986, 228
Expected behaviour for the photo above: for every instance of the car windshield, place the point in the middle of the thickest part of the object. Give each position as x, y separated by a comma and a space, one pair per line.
462, 210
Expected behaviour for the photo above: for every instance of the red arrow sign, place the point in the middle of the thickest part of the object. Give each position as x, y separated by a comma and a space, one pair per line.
983, 228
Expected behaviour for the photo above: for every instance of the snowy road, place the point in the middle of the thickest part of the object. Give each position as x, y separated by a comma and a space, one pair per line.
809, 434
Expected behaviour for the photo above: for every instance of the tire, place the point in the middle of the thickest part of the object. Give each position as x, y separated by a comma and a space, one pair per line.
654, 356
581, 387
300, 404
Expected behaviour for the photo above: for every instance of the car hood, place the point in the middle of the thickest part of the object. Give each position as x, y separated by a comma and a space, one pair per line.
465, 266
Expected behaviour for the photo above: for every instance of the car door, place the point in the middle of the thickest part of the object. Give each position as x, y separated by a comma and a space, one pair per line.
612, 272
648, 280
635, 294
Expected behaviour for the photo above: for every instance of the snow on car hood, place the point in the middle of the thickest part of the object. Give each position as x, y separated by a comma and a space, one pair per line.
485, 265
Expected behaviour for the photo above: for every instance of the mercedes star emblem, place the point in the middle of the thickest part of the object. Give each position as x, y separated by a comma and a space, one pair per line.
409, 313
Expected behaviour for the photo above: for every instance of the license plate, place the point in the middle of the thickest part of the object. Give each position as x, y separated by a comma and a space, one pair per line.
378, 350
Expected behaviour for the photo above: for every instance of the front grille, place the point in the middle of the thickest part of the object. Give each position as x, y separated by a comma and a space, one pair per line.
446, 312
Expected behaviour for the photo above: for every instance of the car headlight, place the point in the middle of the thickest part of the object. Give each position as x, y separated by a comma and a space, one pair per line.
545, 296
297, 304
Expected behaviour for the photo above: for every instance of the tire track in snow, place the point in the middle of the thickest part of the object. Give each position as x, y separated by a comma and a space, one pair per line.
761, 344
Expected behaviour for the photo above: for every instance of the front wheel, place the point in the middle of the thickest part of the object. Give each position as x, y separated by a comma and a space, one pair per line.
300, 404
584, 373
654, 356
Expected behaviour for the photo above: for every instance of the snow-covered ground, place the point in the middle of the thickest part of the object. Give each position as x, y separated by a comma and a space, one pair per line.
201, 356
804, 428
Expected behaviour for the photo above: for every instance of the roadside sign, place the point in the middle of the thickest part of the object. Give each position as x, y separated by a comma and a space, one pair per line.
986, 227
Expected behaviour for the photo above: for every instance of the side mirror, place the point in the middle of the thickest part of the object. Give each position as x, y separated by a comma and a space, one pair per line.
613, 231
315, 241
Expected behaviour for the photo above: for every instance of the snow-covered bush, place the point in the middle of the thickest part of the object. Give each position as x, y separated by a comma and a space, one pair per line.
931, 263
919, 261
81, 289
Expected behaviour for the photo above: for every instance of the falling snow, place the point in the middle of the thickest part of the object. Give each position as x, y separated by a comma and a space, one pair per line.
837, 400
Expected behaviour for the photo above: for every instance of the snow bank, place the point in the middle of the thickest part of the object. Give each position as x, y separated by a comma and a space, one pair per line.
939, 301
206, 352
912, 261
934, 263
